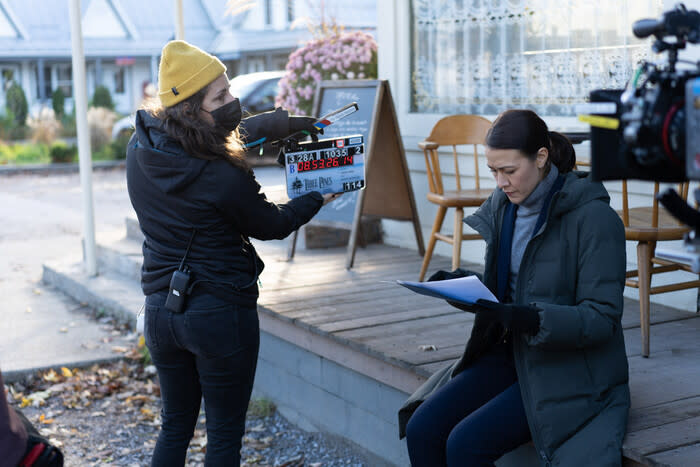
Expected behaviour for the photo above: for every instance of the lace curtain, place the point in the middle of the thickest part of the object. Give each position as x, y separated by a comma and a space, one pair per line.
482, 56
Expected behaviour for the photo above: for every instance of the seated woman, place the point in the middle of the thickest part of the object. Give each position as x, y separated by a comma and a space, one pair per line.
548, 362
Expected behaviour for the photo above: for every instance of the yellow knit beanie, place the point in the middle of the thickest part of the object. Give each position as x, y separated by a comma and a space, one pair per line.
184, 70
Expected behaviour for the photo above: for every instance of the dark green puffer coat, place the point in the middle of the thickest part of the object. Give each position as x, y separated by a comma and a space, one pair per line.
573, 374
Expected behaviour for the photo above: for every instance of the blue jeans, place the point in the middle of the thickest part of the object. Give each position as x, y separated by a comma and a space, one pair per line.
474, 419
210, 350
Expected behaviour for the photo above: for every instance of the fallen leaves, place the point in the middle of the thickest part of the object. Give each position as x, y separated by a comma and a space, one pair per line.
51, 376
79, 389
45, 421
35, 399
427, 348
102, 398
109, 414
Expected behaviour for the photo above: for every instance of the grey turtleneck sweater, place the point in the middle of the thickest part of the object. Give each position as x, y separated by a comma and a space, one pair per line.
525, 220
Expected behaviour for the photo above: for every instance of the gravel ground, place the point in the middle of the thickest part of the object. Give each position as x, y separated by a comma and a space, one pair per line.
109, 415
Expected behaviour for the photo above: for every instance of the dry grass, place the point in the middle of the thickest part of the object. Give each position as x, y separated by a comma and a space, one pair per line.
44, 127
100, 121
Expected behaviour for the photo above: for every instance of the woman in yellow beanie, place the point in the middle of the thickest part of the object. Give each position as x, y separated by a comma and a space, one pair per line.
198, 203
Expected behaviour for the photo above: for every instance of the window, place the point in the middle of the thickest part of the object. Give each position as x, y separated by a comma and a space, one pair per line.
119, 80
290, 11
48, 90
279, 61
268, 12
482, 56
64, 79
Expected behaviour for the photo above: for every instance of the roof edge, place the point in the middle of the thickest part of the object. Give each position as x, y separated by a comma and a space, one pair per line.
15, 21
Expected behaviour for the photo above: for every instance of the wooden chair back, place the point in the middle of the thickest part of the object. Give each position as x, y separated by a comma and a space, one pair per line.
647, 226
454, 130
651, 223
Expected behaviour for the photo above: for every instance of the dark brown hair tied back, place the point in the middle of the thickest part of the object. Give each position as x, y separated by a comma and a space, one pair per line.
525, 131
562, 154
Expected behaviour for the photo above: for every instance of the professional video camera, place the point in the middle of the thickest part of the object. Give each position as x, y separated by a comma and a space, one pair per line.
651, 129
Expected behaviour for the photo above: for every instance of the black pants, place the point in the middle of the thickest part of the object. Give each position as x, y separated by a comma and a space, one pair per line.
474, 419
210, 350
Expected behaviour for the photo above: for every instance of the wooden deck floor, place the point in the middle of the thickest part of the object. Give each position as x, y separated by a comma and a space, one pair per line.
362, 319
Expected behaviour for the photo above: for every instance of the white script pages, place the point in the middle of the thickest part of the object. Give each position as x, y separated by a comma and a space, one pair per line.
463, 289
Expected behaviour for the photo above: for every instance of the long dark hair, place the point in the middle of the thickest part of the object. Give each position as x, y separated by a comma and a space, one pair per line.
196, 136
525, 131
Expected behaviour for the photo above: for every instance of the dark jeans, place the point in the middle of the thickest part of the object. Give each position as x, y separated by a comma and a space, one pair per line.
473, 420
210, 350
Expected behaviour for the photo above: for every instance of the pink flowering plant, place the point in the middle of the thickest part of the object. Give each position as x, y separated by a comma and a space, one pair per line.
337, 55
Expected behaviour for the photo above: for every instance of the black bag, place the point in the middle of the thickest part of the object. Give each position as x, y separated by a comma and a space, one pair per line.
39, 452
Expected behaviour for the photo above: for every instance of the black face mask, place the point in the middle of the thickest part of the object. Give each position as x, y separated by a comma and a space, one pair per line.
228, 116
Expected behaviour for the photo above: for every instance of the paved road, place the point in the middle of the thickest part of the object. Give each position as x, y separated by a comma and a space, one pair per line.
41, 220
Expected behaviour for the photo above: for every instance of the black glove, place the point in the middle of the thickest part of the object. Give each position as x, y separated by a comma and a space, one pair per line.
517, 318
305, 124
443, 275
464, 306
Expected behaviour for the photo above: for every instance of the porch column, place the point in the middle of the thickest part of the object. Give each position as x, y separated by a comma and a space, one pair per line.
41, 79
25, 72
98, 72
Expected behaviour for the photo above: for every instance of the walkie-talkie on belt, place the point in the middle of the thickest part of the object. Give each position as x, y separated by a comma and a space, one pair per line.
179, 283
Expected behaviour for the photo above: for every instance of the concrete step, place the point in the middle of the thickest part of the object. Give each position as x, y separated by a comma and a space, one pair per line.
109, 292
133, 230
123, 257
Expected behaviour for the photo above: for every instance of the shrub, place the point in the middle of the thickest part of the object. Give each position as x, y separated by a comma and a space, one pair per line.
336, 55
7, 122
10, 129
261, 408
6, 153
120, 143
32, 153
102, 98
44, 126
100, 120
69, 129
16, 102
58, 102
114, 150
23, 153
105, 153
62, 152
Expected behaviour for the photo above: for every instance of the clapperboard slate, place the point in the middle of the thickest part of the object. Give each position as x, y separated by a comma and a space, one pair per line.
332, 165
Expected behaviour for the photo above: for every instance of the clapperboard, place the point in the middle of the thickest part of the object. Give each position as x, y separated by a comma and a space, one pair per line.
333, 165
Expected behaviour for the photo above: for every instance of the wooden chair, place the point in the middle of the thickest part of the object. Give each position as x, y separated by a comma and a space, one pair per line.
647, 226
455, 130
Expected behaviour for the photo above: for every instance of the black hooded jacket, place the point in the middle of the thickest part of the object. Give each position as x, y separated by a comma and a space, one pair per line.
174, 193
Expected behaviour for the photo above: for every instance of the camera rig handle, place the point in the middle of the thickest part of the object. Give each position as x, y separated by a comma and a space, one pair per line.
679, 22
